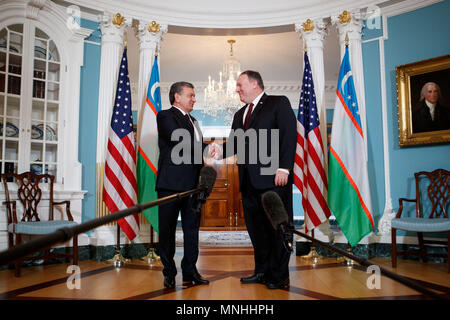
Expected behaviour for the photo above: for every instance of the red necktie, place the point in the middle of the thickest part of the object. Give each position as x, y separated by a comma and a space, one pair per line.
247, 117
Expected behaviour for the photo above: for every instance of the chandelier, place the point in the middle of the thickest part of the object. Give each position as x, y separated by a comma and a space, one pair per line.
221, 98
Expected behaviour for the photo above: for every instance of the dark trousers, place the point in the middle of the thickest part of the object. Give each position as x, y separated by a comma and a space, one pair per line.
190, 222
271, 256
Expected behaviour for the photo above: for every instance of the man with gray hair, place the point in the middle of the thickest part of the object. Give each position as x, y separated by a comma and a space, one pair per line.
175, 176
430, 115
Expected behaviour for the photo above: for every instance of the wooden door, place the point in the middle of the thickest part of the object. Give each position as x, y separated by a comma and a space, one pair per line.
223, 209
238, 209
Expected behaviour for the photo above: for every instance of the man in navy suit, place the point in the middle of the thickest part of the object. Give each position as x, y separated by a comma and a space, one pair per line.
263, 117
178, 171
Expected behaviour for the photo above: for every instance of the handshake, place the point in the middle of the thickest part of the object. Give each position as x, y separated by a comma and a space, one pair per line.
215, 151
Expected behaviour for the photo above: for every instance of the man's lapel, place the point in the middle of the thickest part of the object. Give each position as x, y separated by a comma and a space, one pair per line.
181, 119
257, 109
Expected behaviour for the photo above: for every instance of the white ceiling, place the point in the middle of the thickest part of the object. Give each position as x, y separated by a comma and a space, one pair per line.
277, 56
196, 43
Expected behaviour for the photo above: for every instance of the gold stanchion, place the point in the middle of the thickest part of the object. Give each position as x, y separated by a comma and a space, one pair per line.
118, 260
347, 261
152, 258
312, 256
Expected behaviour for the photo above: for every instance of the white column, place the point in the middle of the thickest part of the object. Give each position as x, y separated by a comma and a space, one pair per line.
112, 28
112, 45
149, 40
313, 34
351, 24
149, 37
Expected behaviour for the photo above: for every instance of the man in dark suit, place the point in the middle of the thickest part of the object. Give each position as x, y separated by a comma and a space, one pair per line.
263, 117
430, 115
178, 171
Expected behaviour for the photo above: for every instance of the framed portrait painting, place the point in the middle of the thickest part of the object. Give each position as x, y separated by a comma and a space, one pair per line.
423, 97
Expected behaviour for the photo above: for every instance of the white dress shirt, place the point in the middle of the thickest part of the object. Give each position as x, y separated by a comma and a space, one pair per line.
431, 106
197, 135
255, 103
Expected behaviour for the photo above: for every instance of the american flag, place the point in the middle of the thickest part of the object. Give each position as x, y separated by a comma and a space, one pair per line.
119, 184
309, 172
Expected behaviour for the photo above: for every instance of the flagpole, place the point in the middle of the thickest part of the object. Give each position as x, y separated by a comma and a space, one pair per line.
118, 260
312, 255
152, 258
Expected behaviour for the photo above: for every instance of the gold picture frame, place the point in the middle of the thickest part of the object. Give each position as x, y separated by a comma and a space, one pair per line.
411, 81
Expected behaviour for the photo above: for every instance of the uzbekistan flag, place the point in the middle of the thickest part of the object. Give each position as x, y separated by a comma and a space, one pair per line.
148, 151
348, 183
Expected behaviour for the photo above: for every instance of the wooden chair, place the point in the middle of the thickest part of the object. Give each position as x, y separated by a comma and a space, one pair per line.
29, 194
431, 214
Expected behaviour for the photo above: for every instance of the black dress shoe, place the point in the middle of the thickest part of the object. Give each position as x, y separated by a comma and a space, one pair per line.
169, 282
280, 284
256, 278
195, 278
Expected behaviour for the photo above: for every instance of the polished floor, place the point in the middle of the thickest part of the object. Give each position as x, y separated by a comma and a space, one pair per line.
328, 279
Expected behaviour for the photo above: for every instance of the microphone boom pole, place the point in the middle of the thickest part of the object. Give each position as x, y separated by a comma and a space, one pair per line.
65, 234
367, 263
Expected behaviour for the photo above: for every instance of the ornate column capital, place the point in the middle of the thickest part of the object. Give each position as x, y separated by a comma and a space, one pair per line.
313, 32
349, 23
150, 34
112, 27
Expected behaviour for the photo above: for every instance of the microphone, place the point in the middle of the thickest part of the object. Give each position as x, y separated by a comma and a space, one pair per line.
207, 178
274, 208
275, 211
206, 182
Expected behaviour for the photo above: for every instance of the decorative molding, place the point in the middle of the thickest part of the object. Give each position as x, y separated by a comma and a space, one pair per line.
308, 25
149, 35
118, 20
314, 34
406, 6
153, 27
345, 17
351, 27
112, 32
226, 14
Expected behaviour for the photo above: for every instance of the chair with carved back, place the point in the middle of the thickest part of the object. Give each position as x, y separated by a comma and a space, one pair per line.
431, 214
29, 195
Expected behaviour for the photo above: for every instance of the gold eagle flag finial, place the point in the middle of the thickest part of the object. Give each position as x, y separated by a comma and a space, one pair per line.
153, 27
345, 17
308, 25
118, 20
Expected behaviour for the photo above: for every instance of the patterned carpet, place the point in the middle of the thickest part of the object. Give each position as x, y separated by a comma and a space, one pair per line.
219, 238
